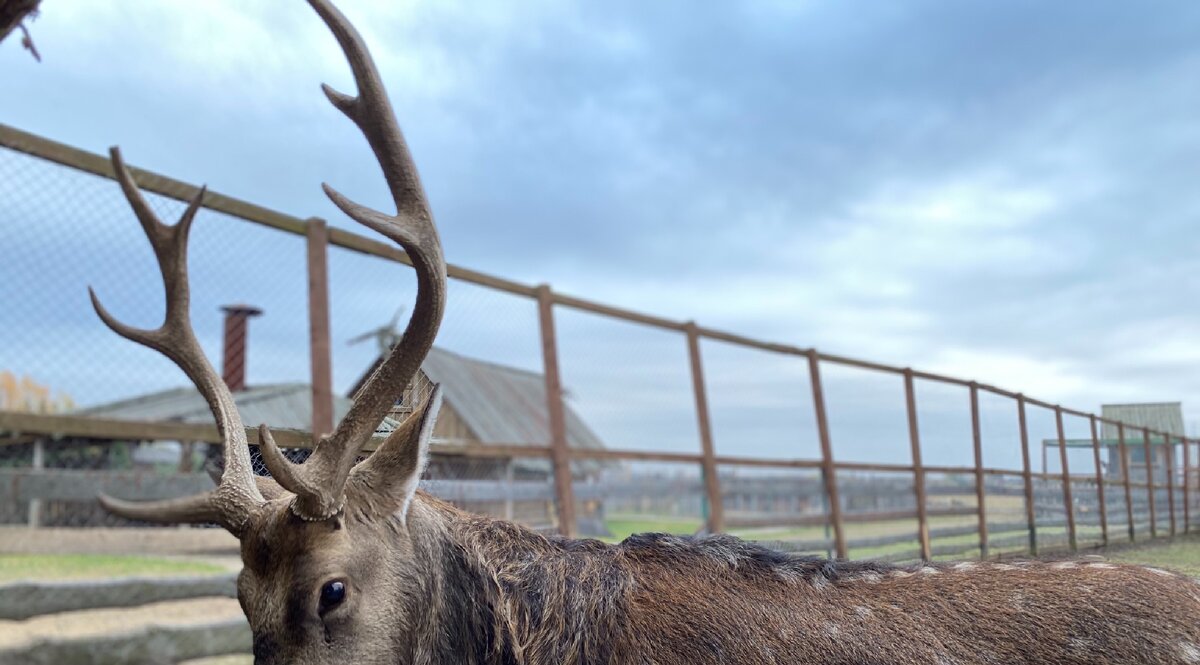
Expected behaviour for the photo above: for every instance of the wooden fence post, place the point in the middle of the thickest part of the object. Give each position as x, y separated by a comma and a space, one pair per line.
320, 347
914, 438
1169, 450
39, 463
828, 469
1187, 508
564, 493
980, 489
1066, 479
1124, 450
1027, 475
712, 483
1149, 455
1099, 482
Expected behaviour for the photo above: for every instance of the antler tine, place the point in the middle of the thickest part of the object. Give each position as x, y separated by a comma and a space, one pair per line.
319, 483
237, 495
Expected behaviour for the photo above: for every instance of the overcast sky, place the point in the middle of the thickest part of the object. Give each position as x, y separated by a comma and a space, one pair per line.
1000, 191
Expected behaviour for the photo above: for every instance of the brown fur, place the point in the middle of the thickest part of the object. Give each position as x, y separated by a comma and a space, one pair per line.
442, 586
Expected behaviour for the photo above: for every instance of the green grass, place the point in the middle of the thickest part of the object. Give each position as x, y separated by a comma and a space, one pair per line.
74, 566
1182, 554
621, 527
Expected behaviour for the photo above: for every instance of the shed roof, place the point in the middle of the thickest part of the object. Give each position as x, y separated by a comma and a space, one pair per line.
501, 404
280, 405
1160, 416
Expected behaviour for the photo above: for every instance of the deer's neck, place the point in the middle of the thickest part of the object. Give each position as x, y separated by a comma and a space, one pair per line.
520, 593
453, 621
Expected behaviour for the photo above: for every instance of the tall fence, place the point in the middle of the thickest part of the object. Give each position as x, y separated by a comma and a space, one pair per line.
718, 431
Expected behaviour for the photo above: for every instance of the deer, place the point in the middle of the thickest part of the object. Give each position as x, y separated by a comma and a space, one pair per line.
348, 561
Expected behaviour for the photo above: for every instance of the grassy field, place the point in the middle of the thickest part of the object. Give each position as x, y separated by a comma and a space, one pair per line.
1181, 554
93, 566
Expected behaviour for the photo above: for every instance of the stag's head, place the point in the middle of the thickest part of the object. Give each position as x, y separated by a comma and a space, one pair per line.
328, 546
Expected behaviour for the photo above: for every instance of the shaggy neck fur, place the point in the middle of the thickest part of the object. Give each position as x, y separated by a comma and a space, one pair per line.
503, 594
495, 593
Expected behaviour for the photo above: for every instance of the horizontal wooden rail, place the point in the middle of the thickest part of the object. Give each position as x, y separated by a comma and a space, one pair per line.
22, 600
88, 427
151, 644
818, 519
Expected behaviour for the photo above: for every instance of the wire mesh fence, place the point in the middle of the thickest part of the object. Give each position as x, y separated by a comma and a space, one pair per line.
664, 425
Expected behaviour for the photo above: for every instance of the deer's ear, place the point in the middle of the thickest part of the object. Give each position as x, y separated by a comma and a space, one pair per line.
384, 483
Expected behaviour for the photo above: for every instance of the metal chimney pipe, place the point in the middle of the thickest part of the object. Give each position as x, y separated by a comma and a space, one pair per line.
233, 364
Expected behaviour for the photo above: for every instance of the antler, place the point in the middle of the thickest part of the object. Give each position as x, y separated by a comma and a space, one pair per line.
319, 483
237, 496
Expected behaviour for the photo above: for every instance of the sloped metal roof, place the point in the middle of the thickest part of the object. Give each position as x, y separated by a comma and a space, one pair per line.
280, 406
1161, 416
501, 404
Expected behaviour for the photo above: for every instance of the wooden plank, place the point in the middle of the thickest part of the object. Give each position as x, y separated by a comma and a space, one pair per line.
490, 491
712, 483
1150, 491
1187, 471
1099, 482
1169, 447
22, 600
151, 644
1027, 472
1124, 452
846, 518
1068, 503
828, 470
35, 504
914, 439
559, 453
633, 455
937, 468
734, 460
78, 485
320, 348
58, 426
980, 490
868, 466
74, 485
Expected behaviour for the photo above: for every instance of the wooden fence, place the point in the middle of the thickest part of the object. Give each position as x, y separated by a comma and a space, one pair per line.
143, 644
567, 492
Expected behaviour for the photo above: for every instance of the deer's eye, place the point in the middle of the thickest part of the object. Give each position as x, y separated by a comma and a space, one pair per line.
332, 595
